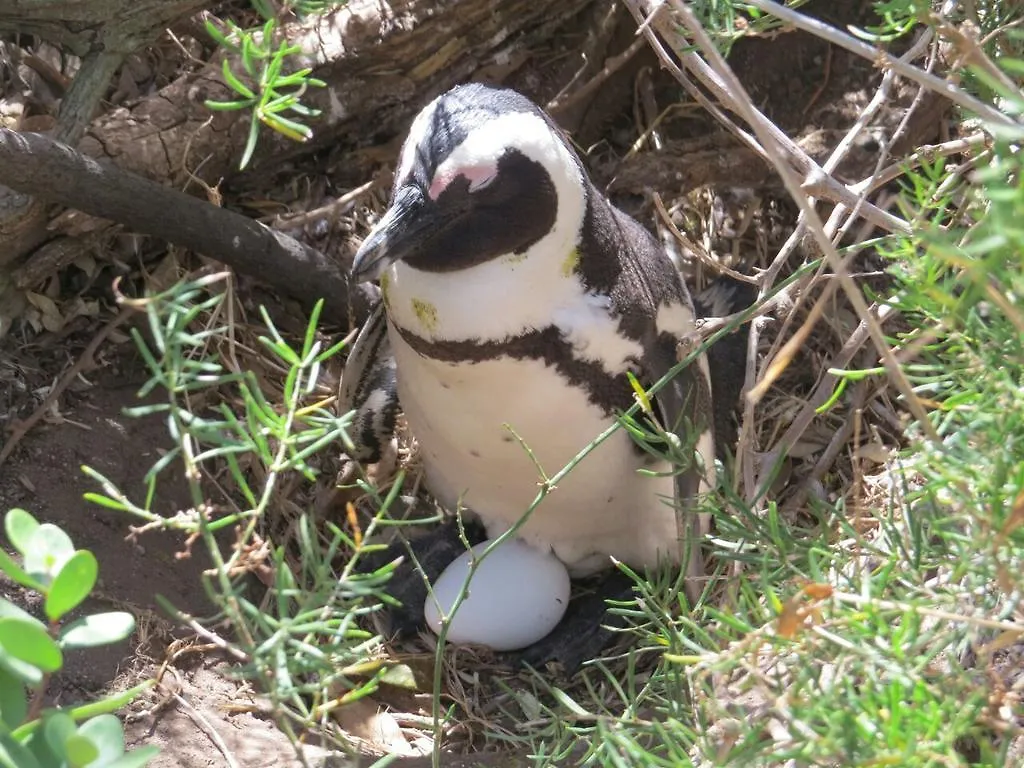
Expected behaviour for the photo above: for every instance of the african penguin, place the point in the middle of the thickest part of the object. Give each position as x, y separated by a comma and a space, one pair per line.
516, 302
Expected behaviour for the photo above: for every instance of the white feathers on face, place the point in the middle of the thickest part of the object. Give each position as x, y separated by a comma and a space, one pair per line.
421, 125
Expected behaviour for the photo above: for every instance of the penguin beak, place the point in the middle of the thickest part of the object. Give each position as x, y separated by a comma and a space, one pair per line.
396, 235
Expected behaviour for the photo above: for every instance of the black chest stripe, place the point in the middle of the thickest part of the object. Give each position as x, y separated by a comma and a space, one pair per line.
611, 393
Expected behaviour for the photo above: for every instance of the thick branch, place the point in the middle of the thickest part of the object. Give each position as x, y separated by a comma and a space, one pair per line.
37, 165
113, 26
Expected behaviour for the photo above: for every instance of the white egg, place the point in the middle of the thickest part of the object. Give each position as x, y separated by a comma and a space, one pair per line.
517, 596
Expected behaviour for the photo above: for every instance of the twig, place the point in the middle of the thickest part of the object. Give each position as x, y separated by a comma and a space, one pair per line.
85, 361
832, 450
210, 636
925, 154
335, 206
767, 132
697, 251
37, 165
206, 727
599, 34
836, 158
892, 605
802, 289
727, 89
885, 60
834, 227
613, 65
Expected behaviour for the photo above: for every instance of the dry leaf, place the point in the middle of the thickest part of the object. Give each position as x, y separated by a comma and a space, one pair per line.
49, 316
87, 263
365, 720
875, 452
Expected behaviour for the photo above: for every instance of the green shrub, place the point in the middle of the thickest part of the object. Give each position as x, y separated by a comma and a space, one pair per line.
31, 651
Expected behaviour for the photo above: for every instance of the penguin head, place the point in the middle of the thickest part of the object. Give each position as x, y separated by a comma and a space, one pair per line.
483, 173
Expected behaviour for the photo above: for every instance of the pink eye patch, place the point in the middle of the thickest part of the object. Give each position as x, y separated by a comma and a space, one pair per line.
478, 176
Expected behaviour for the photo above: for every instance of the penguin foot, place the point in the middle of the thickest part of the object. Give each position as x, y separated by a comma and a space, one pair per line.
434, 551
587, 628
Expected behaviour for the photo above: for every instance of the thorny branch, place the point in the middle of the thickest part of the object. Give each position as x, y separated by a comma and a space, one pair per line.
886, 61
790, 162
769, 142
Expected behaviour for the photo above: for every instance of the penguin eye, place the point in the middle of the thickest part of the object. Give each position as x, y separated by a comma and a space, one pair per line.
476, 177
482, 182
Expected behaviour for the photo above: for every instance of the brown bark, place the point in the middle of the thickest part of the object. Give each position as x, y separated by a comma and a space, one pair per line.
37, 165
116, 26
102, 32
381, 63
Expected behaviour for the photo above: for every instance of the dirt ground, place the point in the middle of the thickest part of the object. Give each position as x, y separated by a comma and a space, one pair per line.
198, 711
197, 717
44, 478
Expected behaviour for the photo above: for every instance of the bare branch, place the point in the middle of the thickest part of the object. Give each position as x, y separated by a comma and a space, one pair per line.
886, 60
782, 149
37, 165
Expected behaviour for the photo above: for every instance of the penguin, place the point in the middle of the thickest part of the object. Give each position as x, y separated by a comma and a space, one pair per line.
518, 308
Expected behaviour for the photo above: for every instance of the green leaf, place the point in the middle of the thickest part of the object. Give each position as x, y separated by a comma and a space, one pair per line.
136, 758
236, 84
107, 735
80, 751
10, 610
29, 642
250, 143
72, 585
14, 755
400, 676
227, 106
280, 348
105, 501
214, 31
293, 130
111, 703
39, 746
57, 728
20, 525
48, 549
26, 673
13, 702
17, 574
98, 629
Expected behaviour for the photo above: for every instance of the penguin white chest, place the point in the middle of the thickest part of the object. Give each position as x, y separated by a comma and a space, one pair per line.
477, 424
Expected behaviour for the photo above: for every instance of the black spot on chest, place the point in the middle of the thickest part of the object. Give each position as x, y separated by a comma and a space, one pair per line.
610, 392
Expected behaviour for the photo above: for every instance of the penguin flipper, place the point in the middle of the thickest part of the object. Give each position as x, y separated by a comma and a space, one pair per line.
369, 388
727, 358
684, 409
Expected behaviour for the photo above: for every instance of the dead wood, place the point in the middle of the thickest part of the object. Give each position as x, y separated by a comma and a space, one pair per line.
380, 62
102, 32
37, 165
118, 26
